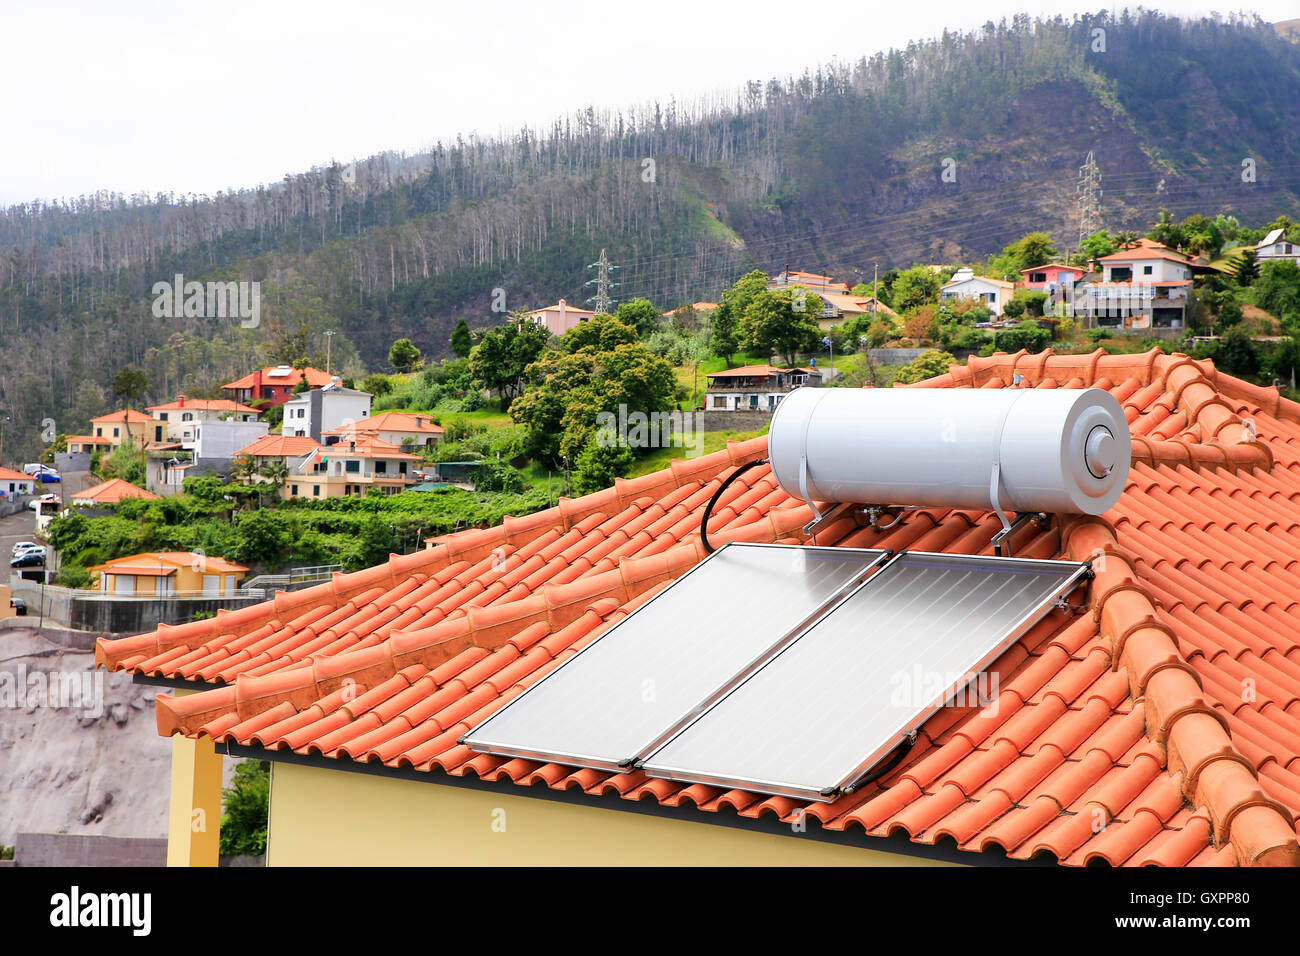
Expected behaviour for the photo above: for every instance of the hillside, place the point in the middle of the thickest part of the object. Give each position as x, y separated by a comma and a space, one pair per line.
835, 170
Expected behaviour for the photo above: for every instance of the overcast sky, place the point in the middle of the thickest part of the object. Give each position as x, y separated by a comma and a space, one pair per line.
194, 97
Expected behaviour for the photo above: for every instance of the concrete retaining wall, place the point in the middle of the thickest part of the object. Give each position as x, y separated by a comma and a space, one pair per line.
67, 849
116, 615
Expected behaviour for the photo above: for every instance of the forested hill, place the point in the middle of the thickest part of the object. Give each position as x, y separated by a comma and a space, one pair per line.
832, 171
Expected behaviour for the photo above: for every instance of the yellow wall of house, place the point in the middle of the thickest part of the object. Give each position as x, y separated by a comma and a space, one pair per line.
323, 817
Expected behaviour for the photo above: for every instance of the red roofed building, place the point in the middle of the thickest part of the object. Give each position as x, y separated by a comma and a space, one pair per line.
1157, 724
110, 493
755, 388
274, 385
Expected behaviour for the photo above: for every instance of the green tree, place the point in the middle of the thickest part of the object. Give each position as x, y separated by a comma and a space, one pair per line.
500, 358
1023, 335
1277, 291
928, 364
1165, 231
246, 808
1097, 245
403, 355
262, 537
129, 384
598, 464
461, 340
567, 392
771, 324
640, 314
1030, 250
1246, 269
602, 333
915, 287
1238, 353
724, 337
377, 385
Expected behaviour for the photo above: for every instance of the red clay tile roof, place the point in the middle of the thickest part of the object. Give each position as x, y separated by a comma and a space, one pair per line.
203, 404
1159, 726
8, 474
275, 446
390, 422
113, 490
758, 371
266, 376
125, 415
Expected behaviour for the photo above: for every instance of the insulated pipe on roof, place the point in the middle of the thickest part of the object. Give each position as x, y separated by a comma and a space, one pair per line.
1063, 451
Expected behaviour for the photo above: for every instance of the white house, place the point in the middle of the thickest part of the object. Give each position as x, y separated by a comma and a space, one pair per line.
313, 413
1276, 247
412, 429
993, 294
224, 439
1140, 288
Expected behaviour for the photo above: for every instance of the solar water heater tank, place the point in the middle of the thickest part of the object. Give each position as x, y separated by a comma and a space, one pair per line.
1063, 451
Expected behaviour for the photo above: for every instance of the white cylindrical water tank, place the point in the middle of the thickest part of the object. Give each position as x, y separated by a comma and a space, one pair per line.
1055, 450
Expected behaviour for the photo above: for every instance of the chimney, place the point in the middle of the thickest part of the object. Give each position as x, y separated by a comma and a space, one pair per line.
180, 400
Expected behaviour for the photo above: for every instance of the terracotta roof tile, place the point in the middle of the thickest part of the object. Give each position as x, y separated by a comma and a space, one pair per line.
1159, 726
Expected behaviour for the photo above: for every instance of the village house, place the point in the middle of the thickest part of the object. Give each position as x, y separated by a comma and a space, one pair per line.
755, 388
275, 384
164, 574
1119, 734
561, 317
179, 419
1051, 278
993, 294
1277, 247
111, 430
110, 492
310, 414
406, 429
351, 466
1144, 287
15, 483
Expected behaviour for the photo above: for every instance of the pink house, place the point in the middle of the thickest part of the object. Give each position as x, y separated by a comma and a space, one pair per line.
561, 317
1043, 278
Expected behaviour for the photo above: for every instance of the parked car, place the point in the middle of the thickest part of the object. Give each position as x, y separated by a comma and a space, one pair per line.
19, 606
34, 549
29, 559
35, 503
47, 475
24, 546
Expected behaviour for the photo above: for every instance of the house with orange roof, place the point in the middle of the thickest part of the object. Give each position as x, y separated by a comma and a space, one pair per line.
352, 466
561, 317
405, 429
699, 308
181, 417
1153, 722
15, 483
275, 384
127, 425
110, 492
1157, 722
87, 444
755, 388
812, 281
1143, 287
162, 574
349, 466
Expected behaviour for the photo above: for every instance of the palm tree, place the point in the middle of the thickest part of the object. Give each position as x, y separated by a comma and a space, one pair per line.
244, 468
276, 472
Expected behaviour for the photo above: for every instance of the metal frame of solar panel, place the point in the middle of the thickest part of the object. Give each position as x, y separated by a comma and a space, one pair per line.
835, 701
632, 688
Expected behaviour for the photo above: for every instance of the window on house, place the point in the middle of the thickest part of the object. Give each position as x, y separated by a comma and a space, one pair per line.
99, 432
1147, 270
158, 433
162, 416
1121, 274
1038, 277
293, 490
353, 466
401, 467
315, 489
114, 432
381, 468
187, 417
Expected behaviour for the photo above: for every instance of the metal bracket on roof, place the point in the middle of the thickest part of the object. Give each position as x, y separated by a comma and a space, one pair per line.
1002, 540
823, 519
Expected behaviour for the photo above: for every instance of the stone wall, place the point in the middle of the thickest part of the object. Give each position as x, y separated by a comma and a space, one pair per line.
744, 421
